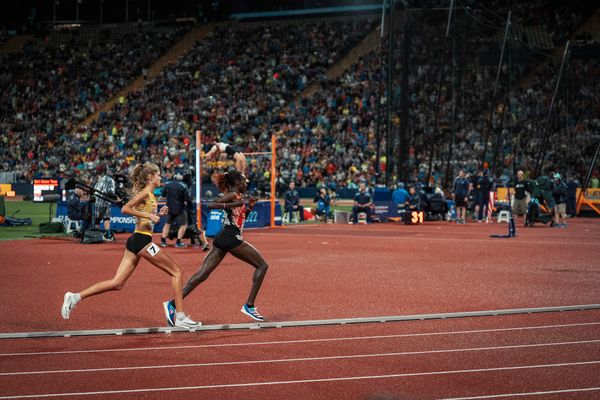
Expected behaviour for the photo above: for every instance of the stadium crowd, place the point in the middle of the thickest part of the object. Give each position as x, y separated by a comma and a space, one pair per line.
244, 83
48, 88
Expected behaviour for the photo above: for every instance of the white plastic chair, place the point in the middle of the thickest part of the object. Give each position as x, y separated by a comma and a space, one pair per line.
503, 216
71, 225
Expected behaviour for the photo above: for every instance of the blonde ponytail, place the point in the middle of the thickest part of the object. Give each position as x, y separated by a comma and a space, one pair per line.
140, 174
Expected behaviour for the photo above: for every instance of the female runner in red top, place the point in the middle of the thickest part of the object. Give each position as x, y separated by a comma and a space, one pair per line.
229, 240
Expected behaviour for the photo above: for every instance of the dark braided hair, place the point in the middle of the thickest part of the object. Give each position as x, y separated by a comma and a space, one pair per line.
228, 180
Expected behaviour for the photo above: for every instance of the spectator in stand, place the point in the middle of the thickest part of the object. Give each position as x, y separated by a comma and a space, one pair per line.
519, 206
363, 203
594, 182
460, 191
292, 204
47, 91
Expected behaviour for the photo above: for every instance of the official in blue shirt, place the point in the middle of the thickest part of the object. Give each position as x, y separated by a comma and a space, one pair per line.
399, 195
362, 203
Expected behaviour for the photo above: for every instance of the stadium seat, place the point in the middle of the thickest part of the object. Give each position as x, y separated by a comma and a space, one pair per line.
71, 225
295, 217
362, 218
504, 216
341, 217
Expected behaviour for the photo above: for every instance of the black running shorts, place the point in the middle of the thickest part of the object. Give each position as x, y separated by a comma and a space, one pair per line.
137, 242
228, 238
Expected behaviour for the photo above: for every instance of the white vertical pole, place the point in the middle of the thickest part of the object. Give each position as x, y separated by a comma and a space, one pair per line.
198, 183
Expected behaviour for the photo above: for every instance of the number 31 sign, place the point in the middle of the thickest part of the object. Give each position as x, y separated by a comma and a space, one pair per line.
414, 218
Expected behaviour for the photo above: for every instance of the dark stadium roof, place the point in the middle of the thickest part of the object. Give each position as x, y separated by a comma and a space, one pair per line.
31, 15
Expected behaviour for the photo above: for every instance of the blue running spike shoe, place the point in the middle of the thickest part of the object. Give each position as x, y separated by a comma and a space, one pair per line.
170, 312
252, 313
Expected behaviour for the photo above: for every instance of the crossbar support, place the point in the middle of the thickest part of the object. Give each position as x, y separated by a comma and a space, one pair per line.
286, 324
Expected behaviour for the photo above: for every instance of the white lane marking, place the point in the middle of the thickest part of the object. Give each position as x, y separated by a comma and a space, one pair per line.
285, 360
498, 396
376, 337
412, 237
270, 383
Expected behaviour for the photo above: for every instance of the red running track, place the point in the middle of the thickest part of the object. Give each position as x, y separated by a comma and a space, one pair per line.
320, 272
556, 355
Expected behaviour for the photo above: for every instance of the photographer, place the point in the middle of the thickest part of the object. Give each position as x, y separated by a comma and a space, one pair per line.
323, 205
106, 186
178, 199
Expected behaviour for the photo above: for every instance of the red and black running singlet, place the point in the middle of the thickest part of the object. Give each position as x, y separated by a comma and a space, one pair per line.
235, 216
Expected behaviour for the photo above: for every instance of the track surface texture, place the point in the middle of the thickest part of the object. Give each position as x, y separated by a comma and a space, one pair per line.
318, 272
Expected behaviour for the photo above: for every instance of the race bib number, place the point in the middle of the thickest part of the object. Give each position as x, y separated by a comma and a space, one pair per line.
153, 249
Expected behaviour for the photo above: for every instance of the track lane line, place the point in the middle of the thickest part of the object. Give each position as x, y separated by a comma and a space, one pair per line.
303, 359
268, 343
271, 383
499, 396
459, 239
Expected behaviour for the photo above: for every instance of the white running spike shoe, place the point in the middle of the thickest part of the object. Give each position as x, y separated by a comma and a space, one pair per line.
68, 305
187, 323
